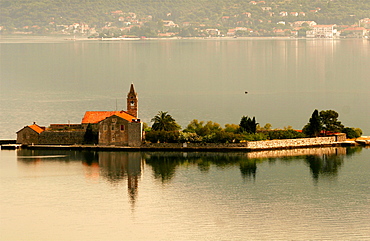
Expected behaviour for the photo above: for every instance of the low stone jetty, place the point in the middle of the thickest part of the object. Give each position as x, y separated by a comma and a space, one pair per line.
251, 146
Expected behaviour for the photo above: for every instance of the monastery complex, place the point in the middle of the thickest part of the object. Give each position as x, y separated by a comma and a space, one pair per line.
118, 128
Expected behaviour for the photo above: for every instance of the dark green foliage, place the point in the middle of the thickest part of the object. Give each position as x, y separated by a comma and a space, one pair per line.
325, 165
223, 137
254, 137
91, 136
284, 134
248, 168
164, 122
162, 136
351, 132
248, 125
326, 122
329, 120
226, 137
314, 126
203, 130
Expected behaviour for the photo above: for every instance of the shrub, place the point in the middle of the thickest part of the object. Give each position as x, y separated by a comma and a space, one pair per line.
190, 137
351, 132
162, 136
284, 134
254, 137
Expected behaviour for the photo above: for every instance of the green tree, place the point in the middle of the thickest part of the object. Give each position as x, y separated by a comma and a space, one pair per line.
267, 126
231, 128
164, 122
314, 126
202, 129
248, 124
329, 120
194, 126
352, 132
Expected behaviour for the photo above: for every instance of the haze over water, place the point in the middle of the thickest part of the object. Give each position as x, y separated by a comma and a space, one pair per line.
56, 81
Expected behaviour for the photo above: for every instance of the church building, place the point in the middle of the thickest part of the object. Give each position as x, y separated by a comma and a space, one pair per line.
118, 128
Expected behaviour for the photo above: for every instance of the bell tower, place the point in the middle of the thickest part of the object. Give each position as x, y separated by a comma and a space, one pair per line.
132, 102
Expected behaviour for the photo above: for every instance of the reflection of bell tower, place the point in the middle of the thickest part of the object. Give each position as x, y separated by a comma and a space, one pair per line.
132, 102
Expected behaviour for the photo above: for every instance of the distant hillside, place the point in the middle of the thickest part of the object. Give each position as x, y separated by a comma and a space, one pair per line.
20, 13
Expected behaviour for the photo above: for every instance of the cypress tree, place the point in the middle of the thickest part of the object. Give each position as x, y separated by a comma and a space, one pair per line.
314, 126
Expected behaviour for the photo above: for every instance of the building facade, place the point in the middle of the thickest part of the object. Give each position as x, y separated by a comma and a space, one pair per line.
117, 130
322, 31
29, 135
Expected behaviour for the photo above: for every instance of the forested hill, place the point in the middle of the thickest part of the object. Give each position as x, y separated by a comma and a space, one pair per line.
20, 13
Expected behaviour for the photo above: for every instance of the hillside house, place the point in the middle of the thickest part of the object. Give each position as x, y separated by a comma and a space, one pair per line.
170, 24
283, 14
322, 31
354, 32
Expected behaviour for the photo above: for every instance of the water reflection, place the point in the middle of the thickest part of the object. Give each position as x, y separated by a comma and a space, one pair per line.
248, 169
326, 165
164, 164
116, 167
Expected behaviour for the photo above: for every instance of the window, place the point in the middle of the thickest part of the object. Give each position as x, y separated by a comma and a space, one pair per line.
122, 127
105, 128
114, 120
112, 127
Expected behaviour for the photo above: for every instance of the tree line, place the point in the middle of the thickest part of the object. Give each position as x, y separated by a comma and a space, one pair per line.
165, 129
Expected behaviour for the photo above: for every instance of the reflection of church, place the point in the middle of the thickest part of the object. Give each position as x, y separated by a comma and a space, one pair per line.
118, 166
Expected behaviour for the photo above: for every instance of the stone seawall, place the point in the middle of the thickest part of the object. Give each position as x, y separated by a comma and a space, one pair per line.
252, 145
291, 143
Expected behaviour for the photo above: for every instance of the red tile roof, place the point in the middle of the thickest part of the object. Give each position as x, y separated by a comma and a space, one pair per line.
324, 26
355, 29
97, 116
125, 115
36, 128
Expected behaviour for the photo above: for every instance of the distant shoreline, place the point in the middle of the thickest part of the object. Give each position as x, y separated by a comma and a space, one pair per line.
41, 38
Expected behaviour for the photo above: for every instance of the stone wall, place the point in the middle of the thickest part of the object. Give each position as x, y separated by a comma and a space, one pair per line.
252, 145
291, 143
61, 137
66, 127
341, 137
135, 134
27, 136
113, 131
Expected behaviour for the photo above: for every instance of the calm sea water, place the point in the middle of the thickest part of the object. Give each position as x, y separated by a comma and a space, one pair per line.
312, 194
309, 194
55, 81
